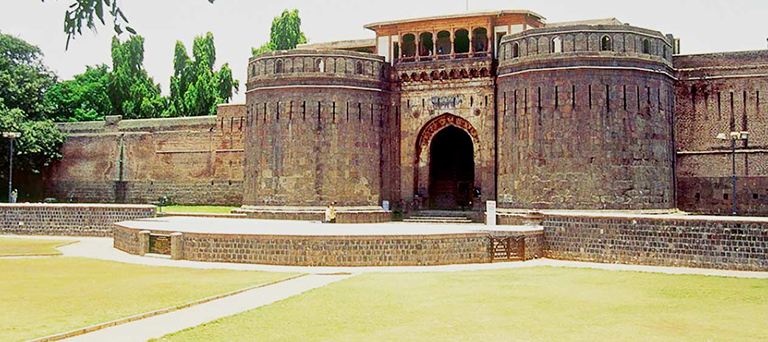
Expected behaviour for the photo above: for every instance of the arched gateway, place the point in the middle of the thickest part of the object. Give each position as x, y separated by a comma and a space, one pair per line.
447, 154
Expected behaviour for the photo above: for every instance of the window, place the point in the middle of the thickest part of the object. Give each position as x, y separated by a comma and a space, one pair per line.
443, 43
409, 45
359, 68
480, 41
556, 45
461, 41
515, 50
646, 46
606, 44
426, 45
279, 67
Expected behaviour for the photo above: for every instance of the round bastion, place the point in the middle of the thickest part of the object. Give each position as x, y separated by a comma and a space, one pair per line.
314, 126
585, 118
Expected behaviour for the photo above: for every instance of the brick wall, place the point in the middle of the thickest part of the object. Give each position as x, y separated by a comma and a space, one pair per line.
196, 160
67, 219
692, 241
720, 93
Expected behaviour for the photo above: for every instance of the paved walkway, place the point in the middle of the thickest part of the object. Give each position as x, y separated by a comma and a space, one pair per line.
101, 248
158, 326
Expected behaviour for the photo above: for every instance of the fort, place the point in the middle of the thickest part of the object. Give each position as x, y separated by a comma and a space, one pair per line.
449, 112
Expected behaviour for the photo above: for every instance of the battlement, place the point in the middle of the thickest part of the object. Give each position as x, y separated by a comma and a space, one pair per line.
592, 45
316, 67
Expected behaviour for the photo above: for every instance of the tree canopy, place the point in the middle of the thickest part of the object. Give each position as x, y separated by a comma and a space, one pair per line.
196, 88
88, 12
285, 33
84, 98
133, 93
24, 81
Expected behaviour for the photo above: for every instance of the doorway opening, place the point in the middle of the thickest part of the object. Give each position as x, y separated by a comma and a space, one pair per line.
451, 170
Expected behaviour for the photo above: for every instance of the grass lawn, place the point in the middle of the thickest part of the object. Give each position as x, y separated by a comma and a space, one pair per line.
207, 209
39, 297
538, 304
22, 247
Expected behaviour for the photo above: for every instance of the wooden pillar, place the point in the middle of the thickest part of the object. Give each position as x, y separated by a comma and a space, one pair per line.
471, 41
434, 44
453, 39
418, 46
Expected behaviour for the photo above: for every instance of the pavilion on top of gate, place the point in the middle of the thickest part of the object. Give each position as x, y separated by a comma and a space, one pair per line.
466, 35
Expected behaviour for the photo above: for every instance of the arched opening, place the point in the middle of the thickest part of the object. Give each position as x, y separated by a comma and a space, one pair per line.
606, 44
279, 67
515, 50
359, 68
443, 43
426, 45
409, 46
646, 46
451, 169
461, 41
557, 45
480, 40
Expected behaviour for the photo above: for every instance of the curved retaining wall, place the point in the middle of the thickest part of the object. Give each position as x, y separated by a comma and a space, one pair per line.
244, 242
582, 128
314, 128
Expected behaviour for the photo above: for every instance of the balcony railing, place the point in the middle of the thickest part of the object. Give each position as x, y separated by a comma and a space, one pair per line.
442, 57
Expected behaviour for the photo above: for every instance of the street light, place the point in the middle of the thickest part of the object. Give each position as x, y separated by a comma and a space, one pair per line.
733, 137
10, 136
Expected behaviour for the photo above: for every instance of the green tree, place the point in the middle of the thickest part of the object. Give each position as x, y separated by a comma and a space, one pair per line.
23, 82
87, 12
133, 93
84, 98
285, 33
23, 77
196, 88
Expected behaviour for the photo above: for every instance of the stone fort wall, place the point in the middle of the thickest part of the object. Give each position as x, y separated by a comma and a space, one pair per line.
720, 93
196, 160
585, 119
314, 128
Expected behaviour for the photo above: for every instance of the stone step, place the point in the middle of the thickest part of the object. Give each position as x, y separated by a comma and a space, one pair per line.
445, 220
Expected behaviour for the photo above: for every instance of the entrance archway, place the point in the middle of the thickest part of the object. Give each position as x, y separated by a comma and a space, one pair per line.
447, 166
451, 169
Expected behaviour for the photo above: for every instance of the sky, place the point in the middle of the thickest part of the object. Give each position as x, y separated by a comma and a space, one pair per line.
237, 25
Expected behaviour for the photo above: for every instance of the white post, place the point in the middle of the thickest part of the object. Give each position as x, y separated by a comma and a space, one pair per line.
490, 213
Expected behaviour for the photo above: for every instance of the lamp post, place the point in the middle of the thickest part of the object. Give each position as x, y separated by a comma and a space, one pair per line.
10, 136
733, 137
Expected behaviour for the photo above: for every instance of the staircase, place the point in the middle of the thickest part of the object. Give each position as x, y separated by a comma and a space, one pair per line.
439, 216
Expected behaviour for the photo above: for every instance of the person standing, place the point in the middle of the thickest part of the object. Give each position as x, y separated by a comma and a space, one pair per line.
330, 213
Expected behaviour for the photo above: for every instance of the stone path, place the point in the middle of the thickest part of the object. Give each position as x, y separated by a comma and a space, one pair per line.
158, 326
101, 248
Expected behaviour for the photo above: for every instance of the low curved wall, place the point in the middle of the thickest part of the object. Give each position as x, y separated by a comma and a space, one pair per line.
371, 215
326, 250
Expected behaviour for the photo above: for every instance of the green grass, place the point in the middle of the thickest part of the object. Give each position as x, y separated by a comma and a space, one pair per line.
40, 297
538, 304
207, 209
10, 247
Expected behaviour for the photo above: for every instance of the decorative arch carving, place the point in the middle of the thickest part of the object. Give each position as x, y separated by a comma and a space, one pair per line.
437, 124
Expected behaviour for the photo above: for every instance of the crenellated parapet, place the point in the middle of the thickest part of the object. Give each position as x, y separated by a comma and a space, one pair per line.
586, 45
316, 67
